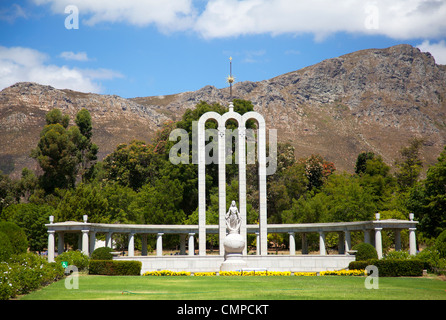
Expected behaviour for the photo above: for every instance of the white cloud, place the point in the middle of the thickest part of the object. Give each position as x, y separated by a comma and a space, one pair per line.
438, 50
69, 55
167, 15
19, 64
398, 19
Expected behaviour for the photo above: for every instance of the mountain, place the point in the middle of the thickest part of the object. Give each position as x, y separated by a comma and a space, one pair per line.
369, 100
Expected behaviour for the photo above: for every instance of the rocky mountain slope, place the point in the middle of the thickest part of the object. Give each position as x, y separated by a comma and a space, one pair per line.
369, 100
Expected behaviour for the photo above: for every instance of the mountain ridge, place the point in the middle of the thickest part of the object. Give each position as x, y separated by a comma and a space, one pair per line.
368, 100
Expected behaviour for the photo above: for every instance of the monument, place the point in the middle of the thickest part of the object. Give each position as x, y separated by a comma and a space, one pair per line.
234, 243
241, 137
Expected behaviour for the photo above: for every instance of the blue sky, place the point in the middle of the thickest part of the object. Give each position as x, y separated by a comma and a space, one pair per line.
137, 48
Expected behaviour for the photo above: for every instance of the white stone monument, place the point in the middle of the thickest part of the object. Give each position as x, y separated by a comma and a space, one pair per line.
234, 243
261, 149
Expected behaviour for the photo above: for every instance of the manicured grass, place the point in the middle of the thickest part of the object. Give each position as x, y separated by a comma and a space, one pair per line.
245, 288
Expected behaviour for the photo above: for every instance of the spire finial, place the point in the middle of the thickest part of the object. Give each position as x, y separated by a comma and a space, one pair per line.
230, 79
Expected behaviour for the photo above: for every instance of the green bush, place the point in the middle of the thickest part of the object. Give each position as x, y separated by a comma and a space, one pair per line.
432, 261
5, 247
400, 268
359, 265
103, 253
440, 244
74, 258
115, 268
392, 267
16, 236
26, 272
365, 251
398, 255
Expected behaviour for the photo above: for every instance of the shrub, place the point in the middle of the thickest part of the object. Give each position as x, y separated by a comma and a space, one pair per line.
16, 236
5, 247
360, 265
398, 255
365, 251
115, 268
400, 268
431, 258
103, 253
26, 272
440, 244
74, 258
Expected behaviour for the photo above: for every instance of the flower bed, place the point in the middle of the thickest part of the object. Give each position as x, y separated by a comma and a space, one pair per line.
255, 273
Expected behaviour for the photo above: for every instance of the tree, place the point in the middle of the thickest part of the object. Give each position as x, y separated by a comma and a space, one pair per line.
427, 199
87, 199
361, 161
317, 170
375, 177
87, 150
32, 219
8, 192
160, 204
133, 165
409, 165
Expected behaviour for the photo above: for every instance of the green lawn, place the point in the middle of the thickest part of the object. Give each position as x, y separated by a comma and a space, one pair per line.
245, 288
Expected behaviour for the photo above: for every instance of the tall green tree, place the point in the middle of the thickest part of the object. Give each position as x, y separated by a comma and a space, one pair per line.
86, 150
56, 153
409, 165
61, 149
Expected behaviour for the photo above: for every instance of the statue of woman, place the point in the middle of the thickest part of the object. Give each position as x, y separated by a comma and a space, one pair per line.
233, 220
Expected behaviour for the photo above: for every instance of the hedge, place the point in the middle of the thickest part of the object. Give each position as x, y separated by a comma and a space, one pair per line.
392, 268
103, 253
115, 268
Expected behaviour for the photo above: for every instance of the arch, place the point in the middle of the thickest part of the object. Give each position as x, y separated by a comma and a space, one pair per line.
221, 120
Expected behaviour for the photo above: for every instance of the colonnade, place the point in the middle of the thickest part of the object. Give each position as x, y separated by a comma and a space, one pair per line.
372, 234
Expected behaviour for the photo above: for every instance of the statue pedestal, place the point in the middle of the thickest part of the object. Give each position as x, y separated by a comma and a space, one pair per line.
234, 245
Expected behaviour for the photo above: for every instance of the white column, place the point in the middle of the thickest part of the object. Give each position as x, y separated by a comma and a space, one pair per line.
242, 182
221, 185
292, 244
348, 241
131, 246
51, 245
144, 244
257, 243
182, 244
201, 188
378, 242
159, 244
85, 243
109, 240
262, 189
322, 251
191, 244
412, 241
397, 239
304, 244
60, 243
92, 241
